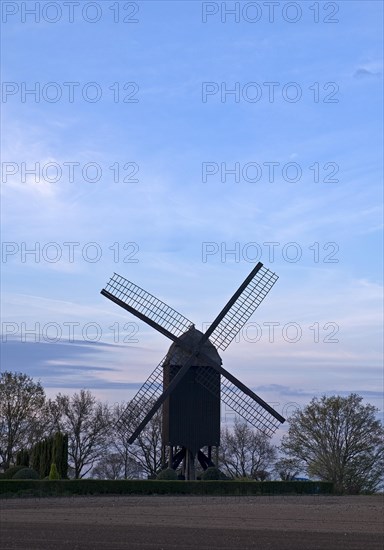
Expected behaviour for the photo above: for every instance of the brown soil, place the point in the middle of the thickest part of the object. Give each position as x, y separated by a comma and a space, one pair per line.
198, 522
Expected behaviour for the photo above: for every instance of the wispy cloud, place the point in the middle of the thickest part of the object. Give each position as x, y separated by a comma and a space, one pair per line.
171, 211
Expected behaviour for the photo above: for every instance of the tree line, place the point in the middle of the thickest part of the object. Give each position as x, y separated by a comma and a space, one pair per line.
335, 438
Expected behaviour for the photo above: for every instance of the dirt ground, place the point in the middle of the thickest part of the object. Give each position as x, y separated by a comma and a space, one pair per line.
186, 522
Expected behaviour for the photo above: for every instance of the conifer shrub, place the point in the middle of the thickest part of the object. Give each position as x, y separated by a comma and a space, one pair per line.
50, 450
212, 474
167, 474
8, 474
22, 458
53, 473
26, 473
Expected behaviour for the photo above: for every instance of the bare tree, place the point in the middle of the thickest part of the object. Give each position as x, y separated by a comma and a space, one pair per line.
338, 439
114, 466
146, 449
119, 435
21, 414
121, 428
245, 452
287, 468
86, 421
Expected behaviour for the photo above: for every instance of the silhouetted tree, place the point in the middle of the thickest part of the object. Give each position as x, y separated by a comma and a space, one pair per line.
113, 466
21, 414
146, 449
50, 450
245, 452
87, 422
287, 468
338, 439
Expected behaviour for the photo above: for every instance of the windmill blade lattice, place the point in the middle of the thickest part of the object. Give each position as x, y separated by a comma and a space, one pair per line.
146, 306
143, 401
241, 403
248, 409
243, 307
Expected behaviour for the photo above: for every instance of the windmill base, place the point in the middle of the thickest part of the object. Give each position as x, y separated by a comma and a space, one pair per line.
188, 460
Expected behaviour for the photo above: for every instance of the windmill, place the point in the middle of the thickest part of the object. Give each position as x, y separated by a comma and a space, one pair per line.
190, 381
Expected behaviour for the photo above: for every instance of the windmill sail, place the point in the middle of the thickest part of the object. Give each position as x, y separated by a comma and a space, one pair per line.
143, 401
146, 307
249, 409
242, 400
241, 306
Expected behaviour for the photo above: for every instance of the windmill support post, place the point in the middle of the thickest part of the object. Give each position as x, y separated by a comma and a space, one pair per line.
170, 456
190, 472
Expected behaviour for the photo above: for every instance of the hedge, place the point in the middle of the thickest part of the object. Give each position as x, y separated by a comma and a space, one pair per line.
149, 487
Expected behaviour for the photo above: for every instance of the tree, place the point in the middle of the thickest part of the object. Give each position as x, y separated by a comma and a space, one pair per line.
245, 452
21, 420
86, 421
60, 454
287, 468
53, 449
22, 458
146, 449
119, 445
338, 439
113, 466
41, 457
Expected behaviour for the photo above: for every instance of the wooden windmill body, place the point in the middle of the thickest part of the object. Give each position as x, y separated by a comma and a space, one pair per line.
190, 382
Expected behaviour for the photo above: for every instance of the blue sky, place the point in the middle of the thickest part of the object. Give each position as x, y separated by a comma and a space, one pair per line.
152, 99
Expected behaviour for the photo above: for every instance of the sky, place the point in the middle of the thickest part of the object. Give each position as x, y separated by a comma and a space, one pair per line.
178, 143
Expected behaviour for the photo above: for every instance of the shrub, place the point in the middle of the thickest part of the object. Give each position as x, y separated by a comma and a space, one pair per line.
8, 474
167, 474
26, 473
53, 473
212, 473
